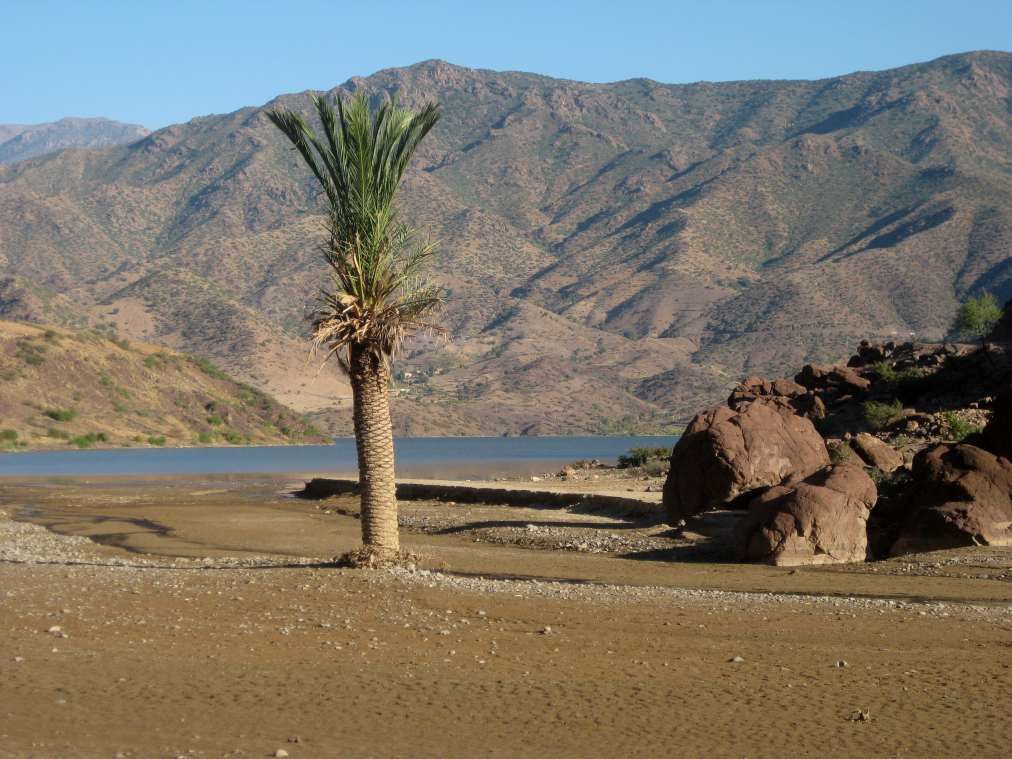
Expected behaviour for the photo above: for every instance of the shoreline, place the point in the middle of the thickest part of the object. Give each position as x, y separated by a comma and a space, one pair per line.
67, 448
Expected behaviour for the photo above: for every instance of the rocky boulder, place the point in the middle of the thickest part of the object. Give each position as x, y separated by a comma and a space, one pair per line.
903, 356
726, 452
961, 495
782, 393
842, 379
876, 453
819, 519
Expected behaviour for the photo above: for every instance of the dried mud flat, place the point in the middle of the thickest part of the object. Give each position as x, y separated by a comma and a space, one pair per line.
201, 618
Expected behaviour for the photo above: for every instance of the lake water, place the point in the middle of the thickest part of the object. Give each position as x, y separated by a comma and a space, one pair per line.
446, 458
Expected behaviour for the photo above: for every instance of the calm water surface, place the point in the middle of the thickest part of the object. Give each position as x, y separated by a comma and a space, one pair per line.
449, 457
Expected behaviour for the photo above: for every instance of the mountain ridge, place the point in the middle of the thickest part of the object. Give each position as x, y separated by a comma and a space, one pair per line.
21, 141
679, 236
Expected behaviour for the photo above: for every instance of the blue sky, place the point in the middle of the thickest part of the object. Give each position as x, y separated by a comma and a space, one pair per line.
157, 63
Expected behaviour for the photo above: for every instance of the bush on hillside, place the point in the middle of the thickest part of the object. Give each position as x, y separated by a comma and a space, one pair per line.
977, 317
60, 414
878, 415
958, 427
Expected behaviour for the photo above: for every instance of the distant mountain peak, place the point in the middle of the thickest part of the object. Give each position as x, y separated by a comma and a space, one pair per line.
21, 141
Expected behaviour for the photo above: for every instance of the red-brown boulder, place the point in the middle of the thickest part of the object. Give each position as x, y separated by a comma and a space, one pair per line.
821, 519
961, 496
726, 452
876, 453
841, 378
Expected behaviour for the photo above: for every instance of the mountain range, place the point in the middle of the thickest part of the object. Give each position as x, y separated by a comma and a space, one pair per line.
614, 255
19, 141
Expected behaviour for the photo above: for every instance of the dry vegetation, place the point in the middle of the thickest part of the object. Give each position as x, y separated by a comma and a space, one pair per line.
64, 388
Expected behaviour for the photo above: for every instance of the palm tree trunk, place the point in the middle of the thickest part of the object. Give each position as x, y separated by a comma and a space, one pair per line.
370, 384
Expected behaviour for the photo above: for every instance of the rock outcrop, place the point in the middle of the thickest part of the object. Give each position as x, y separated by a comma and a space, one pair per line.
902, 356
891, 404
843, 380
961, 495
876, 453
820, 519
782, 394
727, 452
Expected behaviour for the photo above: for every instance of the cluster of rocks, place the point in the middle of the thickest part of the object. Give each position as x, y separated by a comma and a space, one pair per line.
903, 356
800, 457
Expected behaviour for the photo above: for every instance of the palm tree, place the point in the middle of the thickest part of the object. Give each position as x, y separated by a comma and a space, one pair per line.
376, 294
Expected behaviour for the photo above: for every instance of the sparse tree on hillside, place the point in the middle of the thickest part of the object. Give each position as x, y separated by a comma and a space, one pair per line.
977, 317
376, 295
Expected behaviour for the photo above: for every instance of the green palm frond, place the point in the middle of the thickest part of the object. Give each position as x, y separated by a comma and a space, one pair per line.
378, 293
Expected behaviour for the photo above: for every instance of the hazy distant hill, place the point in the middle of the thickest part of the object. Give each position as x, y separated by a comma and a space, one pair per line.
19, 141
615, 254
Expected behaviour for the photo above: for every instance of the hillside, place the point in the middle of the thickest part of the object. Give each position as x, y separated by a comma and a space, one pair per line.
616, 255
20, 141
69, 388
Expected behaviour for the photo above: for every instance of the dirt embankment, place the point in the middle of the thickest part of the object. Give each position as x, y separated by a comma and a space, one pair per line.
64, 388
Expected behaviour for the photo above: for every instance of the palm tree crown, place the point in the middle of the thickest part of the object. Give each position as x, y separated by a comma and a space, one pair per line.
378, 294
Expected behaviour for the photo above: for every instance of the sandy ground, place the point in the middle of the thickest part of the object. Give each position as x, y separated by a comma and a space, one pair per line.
201, 617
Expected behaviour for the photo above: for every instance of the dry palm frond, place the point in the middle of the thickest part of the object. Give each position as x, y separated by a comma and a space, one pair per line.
377, 294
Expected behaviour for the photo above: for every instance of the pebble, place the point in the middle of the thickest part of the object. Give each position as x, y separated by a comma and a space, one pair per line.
280, 753
736, 659
842, 664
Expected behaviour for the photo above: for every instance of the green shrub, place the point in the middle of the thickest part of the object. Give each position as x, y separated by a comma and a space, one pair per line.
958, 427
158, 440
87, 441
215, 420
51, 335
60, 414
640, 456
233, 437
889, 484
977, 317
31, 353
878, 415
840, 453
58, 434
208, 368
309, 430
8, 435
885, 371
205, 438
